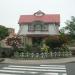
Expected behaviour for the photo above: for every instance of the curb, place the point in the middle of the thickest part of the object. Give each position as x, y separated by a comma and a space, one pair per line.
71, 62
10, 61
47, 61
1, 59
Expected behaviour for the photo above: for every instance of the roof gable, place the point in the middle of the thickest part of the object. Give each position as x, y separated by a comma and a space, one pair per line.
47, 18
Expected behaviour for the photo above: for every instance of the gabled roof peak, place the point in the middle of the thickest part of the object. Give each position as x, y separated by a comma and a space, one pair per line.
39, 13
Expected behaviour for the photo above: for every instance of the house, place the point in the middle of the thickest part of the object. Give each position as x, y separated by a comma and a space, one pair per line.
38, 26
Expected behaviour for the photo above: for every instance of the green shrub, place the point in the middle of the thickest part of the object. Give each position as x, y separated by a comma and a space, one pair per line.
6, 52
33, 49
45, 48
56, 42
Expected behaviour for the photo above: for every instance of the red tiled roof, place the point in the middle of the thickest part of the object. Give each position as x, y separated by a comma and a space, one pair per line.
51, 18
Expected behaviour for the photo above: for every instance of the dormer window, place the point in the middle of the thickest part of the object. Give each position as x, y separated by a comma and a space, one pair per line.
39, 13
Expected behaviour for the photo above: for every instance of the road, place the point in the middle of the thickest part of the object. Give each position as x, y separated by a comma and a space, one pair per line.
70, 68
42, 69
50, 69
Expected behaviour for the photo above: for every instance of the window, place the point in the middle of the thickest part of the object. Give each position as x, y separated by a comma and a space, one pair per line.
30, 27
37, 27
44, 27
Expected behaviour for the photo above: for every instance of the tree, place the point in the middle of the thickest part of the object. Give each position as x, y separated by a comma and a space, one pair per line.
62, 30
71, 26
56, 42
15, 42
3, 32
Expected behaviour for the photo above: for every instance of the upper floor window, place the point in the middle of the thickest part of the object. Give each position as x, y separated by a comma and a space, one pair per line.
45, 27
38, 26
30, 28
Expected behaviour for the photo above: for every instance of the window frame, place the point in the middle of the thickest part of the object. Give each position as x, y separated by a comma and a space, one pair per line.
30, 28
33, 27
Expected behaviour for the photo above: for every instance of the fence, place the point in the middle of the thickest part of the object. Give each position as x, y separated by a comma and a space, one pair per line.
42, 55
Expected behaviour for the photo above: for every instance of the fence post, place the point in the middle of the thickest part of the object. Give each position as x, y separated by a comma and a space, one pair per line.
22, 54
54, 54
32, 55
51, 54
66, 53
70, 53
59, 54
27, 54
37, 55
63, 53
42, 55
45, 55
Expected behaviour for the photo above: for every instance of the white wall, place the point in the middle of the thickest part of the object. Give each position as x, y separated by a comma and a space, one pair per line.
53, 30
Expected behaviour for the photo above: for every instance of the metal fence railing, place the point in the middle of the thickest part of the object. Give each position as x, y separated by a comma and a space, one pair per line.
42, 55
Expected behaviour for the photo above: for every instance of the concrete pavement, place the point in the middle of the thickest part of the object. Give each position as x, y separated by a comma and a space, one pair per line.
45, 61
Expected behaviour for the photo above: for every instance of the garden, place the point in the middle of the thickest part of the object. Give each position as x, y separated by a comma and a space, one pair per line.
51, 47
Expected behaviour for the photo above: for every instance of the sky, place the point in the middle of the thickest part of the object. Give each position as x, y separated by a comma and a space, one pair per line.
10, 10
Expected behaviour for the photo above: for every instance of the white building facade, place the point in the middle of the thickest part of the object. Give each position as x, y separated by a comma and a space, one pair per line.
35, 28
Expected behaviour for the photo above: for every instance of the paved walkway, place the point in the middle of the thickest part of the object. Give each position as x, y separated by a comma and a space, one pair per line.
46, 61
